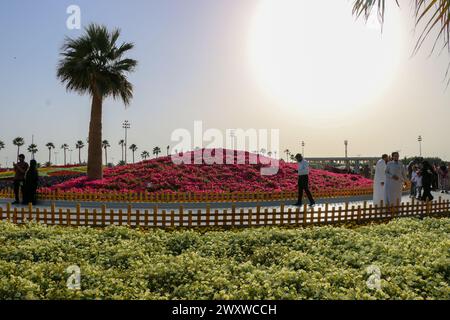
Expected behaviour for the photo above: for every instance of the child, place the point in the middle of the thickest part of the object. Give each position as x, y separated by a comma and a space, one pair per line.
414, 177
417, 181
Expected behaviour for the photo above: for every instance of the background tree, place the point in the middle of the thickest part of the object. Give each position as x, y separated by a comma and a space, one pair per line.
122, 145
65, 147
79, 145
105, 146
2, 145
50, 146
168, 149
145, 155
18, 142
32, 148
94, 64
133, 149
156, 151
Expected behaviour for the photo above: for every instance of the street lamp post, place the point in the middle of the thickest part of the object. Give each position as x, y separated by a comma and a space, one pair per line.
346, 154
232, 136
126, 125
420, 145
71, 151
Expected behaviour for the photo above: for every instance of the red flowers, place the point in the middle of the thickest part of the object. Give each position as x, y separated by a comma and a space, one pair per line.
163, 176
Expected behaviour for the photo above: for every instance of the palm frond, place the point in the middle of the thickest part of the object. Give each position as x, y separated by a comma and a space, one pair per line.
434, 14
93, 64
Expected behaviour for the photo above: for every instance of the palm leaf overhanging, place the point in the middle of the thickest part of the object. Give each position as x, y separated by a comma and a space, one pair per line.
433, 14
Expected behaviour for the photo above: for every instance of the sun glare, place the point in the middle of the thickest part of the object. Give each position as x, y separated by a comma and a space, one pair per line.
312, 56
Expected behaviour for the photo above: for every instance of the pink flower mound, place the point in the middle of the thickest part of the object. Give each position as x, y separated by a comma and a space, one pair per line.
163, 176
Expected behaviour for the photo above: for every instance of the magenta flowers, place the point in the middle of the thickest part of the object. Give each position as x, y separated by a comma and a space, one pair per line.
163, 176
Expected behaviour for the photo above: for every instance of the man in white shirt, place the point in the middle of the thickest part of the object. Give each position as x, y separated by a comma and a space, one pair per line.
303, 181
396, 176
379, 193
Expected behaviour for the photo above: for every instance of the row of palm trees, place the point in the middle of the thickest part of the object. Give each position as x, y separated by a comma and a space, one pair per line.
19, 142
79, 145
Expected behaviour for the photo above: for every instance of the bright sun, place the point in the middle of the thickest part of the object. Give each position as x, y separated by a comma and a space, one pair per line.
312, 56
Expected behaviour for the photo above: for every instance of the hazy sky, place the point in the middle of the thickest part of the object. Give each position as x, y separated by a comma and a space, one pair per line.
304, 67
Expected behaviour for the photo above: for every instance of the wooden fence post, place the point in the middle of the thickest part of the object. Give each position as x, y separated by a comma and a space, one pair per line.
78, 214
208, 213
30, 212
181, 215
129, 215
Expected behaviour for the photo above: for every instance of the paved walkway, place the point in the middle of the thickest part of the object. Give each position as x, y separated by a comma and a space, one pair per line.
333, 202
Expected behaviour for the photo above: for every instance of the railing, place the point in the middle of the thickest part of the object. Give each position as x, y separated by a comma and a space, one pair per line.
187, 197
234, 217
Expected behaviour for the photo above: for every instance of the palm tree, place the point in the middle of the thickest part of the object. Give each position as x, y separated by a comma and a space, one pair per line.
122, 145
156, 151
79, 145
32, 148
19, 141
65, 147
50, 146
94, 64
433, 14
168, 148
2, 145
145, 155
105, 146
263, 151
133, 149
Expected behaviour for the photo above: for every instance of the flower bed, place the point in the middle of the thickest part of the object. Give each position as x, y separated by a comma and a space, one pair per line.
266, 263
163, 176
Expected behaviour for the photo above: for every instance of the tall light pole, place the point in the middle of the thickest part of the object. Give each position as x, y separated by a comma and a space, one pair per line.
232, 136
71, 151
346, 154
420, 145
126, 125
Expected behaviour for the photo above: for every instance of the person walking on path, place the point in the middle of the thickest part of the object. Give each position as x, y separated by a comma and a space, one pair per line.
396, 176
379, 193
427, 181
20, 168
303, 181
31, 184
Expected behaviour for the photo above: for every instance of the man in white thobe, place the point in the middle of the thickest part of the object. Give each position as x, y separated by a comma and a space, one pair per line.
379, 182
396, 176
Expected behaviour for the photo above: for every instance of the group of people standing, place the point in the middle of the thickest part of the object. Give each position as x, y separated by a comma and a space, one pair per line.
426, 177
391, 176
26, 180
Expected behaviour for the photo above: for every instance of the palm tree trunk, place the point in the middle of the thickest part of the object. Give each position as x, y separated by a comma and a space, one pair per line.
106, 157
18, 151
133, 156
79, 156
94, 169
122, 152
49, 156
